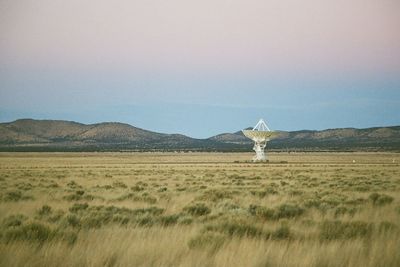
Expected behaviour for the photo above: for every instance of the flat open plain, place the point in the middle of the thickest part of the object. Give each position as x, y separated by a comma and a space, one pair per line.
199, 209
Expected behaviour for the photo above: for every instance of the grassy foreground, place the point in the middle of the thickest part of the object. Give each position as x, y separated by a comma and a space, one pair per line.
199, 209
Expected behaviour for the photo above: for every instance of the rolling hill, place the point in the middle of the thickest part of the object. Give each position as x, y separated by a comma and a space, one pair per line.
58, 135
377, 138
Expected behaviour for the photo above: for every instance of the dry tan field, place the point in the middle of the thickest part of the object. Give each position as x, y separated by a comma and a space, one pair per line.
199, 209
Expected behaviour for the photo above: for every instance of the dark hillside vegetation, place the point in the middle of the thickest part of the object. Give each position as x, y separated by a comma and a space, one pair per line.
56, 135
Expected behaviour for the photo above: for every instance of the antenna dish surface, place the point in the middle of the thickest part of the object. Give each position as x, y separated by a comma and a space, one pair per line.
258, 134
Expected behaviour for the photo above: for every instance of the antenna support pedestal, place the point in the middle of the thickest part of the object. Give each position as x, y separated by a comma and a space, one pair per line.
259, 147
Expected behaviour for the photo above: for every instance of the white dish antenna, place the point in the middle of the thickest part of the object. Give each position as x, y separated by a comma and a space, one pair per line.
260, 134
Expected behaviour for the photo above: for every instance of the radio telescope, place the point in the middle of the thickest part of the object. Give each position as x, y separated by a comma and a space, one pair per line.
260, 134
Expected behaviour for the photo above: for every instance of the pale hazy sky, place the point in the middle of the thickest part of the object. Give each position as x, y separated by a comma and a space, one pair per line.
202, 67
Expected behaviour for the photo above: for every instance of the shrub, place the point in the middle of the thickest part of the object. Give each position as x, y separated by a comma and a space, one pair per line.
283, 183
69, 237
14, 220
264, 193
37, 232
119, 184
315, 202
380, 199
216, 195
356, 201
198, 209
185, 220
29, 232
121, 219
96, 216
94, 221
56, 216
331, 230
288, 211
332, 200
15, 196
283, 232
106, 187
147, 220
110, 260
73, 184
79, 195
137, 188
211, 241
78, 207
280, 212
25, 186
72, 197
73, 220
262, 212
342, 210
234, 177
180, 189
151, 210
144, 197
126, 196
52, 185
44, 210
169, 220
239, 229
80, 192
387, 227
374, 197
271, 191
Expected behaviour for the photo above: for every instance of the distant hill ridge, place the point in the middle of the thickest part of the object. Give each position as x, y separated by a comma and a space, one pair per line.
59, 135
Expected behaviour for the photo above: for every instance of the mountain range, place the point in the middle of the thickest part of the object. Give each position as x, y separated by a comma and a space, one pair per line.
59, 135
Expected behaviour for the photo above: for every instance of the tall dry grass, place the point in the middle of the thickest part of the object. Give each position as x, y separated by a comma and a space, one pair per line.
111, 209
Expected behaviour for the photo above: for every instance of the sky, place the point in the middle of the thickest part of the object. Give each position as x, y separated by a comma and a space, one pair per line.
202, 68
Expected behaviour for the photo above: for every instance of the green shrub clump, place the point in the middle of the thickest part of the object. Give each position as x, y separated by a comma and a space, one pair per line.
30, 232
208, 240
85, 216
380, 199
14, 196
342, 210
283, 232
79, 195
198, 209
78, 207
333, 230
169, 219
34, 232
44, 210
14, 220
283, 211
119, 184
216, 195
238, 229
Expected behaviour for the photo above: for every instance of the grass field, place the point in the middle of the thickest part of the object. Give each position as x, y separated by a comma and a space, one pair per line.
199, 209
